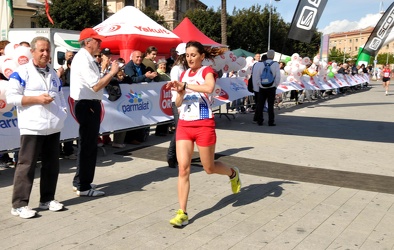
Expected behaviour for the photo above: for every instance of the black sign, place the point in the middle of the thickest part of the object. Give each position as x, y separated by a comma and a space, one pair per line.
380, 32
305, 19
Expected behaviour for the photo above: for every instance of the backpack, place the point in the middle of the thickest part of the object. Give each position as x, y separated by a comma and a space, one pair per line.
267, 78
250, 82
250, 85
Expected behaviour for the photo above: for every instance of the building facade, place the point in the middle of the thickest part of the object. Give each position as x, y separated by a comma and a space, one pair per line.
350, 42
24, 13
172, 10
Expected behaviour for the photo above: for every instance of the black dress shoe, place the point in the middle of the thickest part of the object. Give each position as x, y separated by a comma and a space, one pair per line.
272, 124
260, 123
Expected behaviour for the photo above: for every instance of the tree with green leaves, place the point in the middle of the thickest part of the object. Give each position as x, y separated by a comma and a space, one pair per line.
150, 12
384, 58
249, 29
207, 21
303, 49
72, 15
338, 56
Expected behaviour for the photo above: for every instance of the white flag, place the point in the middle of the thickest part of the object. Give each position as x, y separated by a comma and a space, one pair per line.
5, 18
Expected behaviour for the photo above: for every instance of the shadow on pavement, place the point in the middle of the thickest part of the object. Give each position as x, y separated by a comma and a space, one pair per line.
132, 184
248, 195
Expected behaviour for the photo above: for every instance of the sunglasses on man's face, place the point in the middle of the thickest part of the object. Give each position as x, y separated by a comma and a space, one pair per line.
99, 56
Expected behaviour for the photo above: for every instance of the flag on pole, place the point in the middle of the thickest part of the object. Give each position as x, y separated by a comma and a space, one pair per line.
47, 11
6, 16
380, 33
305, 19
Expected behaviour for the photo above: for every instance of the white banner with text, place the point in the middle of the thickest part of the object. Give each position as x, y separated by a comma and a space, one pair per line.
150, 103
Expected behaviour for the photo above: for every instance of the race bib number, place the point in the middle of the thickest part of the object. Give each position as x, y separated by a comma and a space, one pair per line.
191, 111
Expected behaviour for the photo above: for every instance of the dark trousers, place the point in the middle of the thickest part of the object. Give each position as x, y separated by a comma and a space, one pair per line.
266, 94
88, 113
256, 101
31, 147
294, 95
171, 153
68, 148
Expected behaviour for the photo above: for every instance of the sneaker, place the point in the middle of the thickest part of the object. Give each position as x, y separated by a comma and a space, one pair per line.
93, 186
387, 93
236, 182
181, 219
51, 205
90, 193
118, 145
23, 212
70, 157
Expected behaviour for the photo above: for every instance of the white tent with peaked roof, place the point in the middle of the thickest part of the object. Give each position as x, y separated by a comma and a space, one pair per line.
130, 29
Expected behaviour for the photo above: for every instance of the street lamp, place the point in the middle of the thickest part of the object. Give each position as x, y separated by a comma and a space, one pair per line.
269, 25
102, 10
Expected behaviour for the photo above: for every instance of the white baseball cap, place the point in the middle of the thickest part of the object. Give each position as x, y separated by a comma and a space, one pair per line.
181, 49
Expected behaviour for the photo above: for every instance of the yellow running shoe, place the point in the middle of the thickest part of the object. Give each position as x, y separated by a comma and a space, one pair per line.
236, 181
181, 219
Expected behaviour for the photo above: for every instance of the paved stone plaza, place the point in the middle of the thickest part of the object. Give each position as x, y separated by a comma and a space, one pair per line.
321, 179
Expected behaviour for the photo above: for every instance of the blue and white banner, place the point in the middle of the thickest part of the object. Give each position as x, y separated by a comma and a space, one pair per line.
148, 104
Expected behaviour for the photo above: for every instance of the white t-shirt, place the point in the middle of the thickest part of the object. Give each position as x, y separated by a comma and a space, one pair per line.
175, 74
84, 75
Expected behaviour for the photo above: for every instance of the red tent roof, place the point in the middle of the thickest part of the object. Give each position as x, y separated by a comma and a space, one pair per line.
187, 31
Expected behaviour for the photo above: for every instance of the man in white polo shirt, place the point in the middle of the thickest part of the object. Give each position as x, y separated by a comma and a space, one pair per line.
87, 91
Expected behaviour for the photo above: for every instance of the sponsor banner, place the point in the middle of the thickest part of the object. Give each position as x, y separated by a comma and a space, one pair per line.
360, 78
285, 87
339, 79
307, 84
305, 19
352, 80
148, 104
230, 89
139, 105
346, 79
335, 84
380, 33
297, 85
323, 83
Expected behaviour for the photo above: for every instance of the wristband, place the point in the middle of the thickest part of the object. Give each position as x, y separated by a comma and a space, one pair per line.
184, 86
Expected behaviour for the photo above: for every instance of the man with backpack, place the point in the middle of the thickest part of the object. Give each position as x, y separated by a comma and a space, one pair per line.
266, 78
